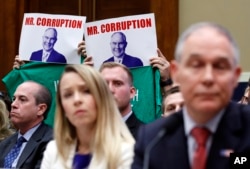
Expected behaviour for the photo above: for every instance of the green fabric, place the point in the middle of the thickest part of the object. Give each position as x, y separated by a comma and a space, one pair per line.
147, 102
146, 105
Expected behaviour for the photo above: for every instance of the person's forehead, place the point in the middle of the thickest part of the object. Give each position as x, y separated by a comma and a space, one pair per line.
27, 88
174, 98
116, 37
208, 41
115, 72
207, 34
50, 32
70, 79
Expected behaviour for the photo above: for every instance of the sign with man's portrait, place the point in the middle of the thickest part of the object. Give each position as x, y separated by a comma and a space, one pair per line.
51, 38
130, 40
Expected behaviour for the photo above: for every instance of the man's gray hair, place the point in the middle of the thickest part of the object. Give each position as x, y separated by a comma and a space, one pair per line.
222, 30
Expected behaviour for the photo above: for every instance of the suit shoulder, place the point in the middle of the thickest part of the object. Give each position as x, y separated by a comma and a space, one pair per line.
135, 118
239, 110
134, 59
155, 126
44, 132
37, 51
7, 140
109, 60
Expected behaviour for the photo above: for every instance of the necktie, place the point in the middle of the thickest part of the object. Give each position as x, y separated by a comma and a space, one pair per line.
9, 159
201, 135
45, 57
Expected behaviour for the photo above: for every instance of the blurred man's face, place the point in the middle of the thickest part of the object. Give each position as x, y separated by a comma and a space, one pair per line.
245, 98
118, 46
207, 73
25, 112
173, 103
119, 85
49, 40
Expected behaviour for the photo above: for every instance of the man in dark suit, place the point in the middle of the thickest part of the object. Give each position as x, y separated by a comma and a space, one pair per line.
207, 69
31, 103
120, 82
48, 53
118, 46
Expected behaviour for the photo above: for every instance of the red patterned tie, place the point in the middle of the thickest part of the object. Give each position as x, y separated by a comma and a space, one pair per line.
201, 135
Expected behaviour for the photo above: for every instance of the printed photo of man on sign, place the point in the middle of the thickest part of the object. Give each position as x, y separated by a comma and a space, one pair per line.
129, 40
51, 38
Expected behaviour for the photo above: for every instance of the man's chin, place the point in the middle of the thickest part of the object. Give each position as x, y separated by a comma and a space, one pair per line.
48, 48
208, 108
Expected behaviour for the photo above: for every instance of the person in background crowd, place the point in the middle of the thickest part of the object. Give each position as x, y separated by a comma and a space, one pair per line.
245, 97
24, 149
163, 66
210, 126
89, 131
5, 97
7, 100
172, 101
5, 130
120, 82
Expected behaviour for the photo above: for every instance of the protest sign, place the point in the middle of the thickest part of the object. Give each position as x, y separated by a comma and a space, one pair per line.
130, 40
51, 38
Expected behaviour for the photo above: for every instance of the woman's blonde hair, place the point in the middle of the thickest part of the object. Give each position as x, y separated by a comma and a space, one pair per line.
110, 130
5, 130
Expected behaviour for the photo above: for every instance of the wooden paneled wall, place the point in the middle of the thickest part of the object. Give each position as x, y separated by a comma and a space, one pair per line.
11, 14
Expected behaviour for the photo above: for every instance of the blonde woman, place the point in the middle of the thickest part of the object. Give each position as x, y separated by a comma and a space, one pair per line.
5, 130
89, 131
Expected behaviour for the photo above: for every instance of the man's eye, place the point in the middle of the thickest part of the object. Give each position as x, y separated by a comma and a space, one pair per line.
221, 66
117, 83
171, 108
196, 64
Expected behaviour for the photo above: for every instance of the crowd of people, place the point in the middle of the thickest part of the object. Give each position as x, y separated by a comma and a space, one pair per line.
92, 132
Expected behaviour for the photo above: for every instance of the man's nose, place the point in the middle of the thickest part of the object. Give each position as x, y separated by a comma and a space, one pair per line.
111, 87
177, 108
14, 103
208, 72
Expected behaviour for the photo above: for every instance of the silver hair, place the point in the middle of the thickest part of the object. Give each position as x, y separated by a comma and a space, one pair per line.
222, 30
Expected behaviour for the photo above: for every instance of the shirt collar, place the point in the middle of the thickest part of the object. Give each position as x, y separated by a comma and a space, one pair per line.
29, 133
127, 116
212, 125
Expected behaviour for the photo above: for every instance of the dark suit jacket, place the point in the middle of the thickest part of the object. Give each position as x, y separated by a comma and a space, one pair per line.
53, 57
32, 154
171, 152
133, 124
129, 61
